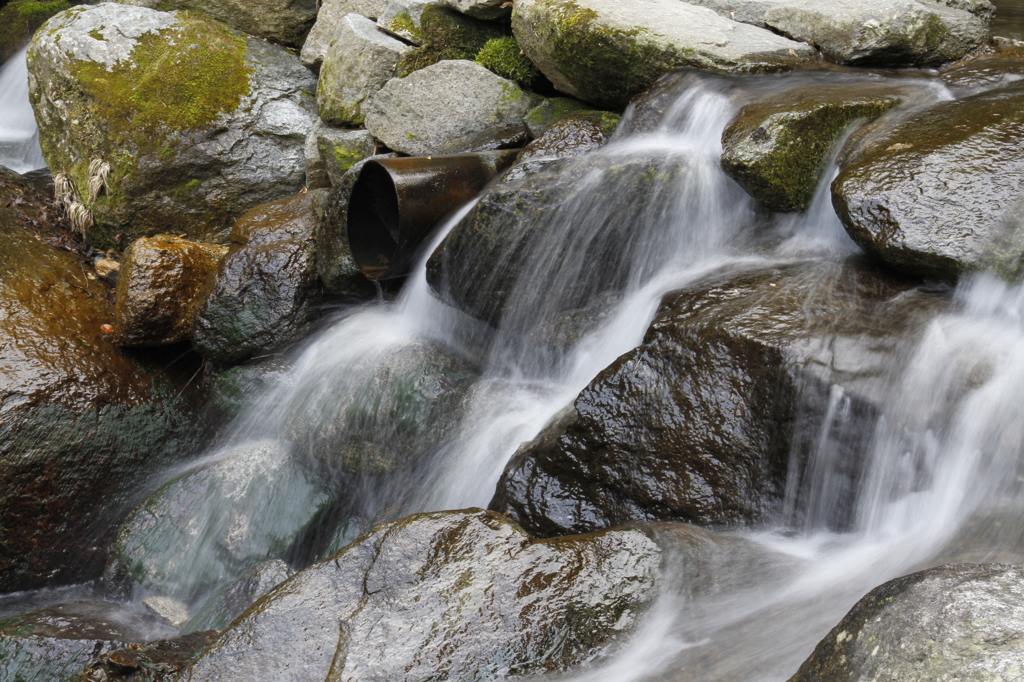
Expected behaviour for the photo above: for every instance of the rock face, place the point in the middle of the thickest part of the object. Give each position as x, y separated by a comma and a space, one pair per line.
215, 523
328, 20
777, 149
266, 287
954, 622
442, 108
161, 281
448, 595
129, 110
604, 52
282, 21
699, 422
895, 198
885, 32
356, 65
83, 426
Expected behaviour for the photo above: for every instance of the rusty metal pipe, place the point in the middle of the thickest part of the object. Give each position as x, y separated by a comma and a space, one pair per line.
397, 203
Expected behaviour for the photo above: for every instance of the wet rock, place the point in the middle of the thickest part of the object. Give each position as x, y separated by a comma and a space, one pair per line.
440, 109
449, 595
57, 642
440, 33
700, 422
316, 171
266, 287
342, 149
237, 389
82, 425
777, 149
149, 662
895, 200
126, 110
167, 611
162, 281
328, 21
355, 66
1000, 68
959, 621
282, 21
884, 32
338, 270
214, 523
20, 19
551, 111
391, 407
603, 52
230, 601
572, 136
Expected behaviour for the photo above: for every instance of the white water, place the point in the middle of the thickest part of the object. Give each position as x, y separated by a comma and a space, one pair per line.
19, 137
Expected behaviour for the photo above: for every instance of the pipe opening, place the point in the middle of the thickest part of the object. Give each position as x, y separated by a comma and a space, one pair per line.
373, 220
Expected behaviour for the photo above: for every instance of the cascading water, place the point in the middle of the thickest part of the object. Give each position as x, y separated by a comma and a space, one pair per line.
19, 137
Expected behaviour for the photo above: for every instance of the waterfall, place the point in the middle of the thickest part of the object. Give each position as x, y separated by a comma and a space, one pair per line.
19, 137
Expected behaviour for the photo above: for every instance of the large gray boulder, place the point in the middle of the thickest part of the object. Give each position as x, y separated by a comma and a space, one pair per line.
282, 21
447, 595
441, 109
356, 65
926, 197
605, 52
328, 21
954, 622
884, 32
128, 108
704, 420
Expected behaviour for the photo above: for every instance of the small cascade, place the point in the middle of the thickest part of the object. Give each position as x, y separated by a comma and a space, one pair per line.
19, 136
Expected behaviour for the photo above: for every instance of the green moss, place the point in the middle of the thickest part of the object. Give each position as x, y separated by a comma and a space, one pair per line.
446, 34
504, 57
21, 18
403, 25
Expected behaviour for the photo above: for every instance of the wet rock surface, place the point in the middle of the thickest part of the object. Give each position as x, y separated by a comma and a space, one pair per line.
151, 662
442, 108
896, 199
228, 602
161, 281
604, 52
217, 522
572, 136
698, 422
83, 426
456, 595
267, 286
959, 621
777, 149
282, 21
127, 87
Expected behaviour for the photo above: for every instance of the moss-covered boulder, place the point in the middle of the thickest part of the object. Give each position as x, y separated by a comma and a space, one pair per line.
282, 21
341, 149
167, 120
160, 284
215, 523
882, 32
954, 622
266, 288
940, 193
700, 422
504, 57
84, 427
604, 52
20, 19
445, 108
438, 32
777, 149
447, 595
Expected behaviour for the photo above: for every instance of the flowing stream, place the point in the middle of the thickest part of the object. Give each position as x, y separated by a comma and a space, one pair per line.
943, 476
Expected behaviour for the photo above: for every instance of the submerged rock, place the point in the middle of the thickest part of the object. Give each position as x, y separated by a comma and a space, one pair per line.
129, 110
883, 32
604, 52
954, 622
445, 595
228, 602
215, 523
161, 281
442, 108
928, 196
166, 610
282, 21
267, 286
777, 149
150, 662
699, 423
83, 427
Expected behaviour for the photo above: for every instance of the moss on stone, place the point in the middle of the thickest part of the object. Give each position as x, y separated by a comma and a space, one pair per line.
504, 57
446, 34
20, 19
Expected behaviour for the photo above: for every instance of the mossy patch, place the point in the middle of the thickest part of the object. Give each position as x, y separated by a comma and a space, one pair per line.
504, 57
20, 19
446, 34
